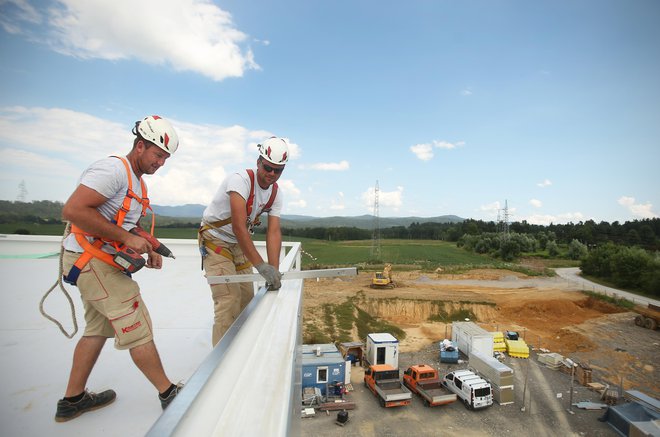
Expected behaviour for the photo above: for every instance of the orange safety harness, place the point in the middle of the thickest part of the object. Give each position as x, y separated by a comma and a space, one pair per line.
93, 249
250, 224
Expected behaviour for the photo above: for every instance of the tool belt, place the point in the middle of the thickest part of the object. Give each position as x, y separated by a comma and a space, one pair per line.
220, 250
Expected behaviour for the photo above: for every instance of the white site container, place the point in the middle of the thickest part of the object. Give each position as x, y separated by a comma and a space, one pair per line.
383, 348
469, 337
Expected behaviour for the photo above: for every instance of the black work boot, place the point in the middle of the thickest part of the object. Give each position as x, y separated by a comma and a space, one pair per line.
90, 401
164, 402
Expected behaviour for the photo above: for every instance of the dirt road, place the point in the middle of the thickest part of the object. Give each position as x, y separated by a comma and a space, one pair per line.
573, 274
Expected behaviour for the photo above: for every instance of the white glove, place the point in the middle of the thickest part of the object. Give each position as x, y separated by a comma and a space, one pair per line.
271, 275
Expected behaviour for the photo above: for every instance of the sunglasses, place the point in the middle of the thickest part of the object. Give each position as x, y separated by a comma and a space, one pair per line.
267, 168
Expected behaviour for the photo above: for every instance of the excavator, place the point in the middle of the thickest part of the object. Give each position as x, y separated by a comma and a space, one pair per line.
383, 279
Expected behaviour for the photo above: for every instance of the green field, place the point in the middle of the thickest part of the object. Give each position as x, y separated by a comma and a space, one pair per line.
414, 254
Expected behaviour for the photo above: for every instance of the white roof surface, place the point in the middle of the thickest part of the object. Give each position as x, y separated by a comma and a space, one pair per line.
35, 356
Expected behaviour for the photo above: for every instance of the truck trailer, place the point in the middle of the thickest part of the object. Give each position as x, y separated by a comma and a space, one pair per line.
383, 381
424, 380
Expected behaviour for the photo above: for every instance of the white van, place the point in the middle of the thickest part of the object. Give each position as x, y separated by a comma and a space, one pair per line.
475, 391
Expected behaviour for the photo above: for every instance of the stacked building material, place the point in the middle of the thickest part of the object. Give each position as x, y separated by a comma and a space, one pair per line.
552, 360
498, 341
517, 348
499, 375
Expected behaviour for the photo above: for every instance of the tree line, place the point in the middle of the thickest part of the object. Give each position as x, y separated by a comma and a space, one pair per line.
643, 233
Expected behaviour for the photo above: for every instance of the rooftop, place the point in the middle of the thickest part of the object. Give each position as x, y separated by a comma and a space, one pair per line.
36, 357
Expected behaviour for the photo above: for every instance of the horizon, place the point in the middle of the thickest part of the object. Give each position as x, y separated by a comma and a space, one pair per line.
549, 107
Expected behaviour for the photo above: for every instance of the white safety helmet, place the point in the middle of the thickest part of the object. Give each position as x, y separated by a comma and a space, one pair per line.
159, 131
274, 150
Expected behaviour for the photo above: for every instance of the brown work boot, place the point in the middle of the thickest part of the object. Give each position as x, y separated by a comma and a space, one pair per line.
90, 401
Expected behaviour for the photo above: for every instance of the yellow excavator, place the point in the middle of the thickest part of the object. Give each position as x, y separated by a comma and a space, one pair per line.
383, 279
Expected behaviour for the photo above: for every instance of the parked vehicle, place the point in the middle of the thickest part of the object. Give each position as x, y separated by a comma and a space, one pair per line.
424, 380
475, 391
648, 317
383, 381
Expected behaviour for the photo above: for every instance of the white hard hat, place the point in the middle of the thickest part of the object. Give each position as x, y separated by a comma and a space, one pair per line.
274, 150
159, 131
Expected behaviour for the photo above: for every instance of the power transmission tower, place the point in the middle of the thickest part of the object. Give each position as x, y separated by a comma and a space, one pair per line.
506, 217
22, 192
375, 241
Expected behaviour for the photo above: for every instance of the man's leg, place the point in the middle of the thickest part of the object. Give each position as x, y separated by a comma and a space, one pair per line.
84, 357
146, 358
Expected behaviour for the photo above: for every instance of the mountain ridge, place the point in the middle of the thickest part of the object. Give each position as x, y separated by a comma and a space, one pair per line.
365, 221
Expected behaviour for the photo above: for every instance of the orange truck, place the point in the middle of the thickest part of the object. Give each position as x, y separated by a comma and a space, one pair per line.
383, 381
425, 381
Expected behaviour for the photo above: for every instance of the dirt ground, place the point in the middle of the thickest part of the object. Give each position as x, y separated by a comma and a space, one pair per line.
548, 312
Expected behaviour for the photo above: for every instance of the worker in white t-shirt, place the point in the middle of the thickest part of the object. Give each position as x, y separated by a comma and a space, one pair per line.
225, 233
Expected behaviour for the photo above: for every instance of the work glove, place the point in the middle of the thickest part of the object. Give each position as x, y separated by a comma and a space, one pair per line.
271, 275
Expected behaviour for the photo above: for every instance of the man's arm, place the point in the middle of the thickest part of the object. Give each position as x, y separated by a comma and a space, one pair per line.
81, 210
273, 241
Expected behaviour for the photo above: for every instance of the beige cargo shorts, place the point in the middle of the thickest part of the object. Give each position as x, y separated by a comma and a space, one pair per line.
113, 304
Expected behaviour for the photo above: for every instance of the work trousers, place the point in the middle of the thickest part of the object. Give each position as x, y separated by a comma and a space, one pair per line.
229, 300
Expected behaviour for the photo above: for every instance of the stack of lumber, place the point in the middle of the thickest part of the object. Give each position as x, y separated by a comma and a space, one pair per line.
337, 405
583, 373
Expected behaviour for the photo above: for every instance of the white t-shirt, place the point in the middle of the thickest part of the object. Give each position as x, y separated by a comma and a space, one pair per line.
108, 178
220, 209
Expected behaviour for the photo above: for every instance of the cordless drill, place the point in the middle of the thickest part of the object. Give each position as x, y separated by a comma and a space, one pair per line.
130, 260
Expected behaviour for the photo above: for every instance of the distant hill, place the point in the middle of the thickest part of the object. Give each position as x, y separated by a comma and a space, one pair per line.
195, 211
188, 211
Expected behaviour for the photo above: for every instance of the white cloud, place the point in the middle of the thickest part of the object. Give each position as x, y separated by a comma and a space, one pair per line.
386, 199
422, 151
491, 208
187, 35
545, 183
641, 210
61, 143
536, 203
328, 166
467, 91
425, 151
546, 219
300, 203
16, 11
338, 204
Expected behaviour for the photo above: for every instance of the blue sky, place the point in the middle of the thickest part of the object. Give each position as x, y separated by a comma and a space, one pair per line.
453, 107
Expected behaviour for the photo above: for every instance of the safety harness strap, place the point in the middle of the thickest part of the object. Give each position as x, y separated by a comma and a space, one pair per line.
249, 203
93, 249
227, 254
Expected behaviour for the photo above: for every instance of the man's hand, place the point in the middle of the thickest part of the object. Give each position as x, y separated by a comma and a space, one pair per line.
154, 260
271, 275
138, 244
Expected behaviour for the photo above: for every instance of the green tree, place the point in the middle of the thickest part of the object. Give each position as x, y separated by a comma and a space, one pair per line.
577, 250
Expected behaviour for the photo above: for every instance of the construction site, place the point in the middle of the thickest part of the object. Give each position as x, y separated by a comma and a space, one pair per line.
580, 359
571, 336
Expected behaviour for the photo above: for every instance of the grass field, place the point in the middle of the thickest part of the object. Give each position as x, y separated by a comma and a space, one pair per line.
413, 254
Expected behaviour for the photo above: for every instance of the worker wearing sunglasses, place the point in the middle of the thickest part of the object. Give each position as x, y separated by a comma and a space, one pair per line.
225, 234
